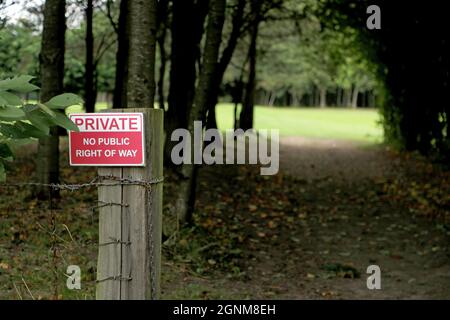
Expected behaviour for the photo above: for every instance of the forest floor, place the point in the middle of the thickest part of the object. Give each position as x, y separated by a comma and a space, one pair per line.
309, 232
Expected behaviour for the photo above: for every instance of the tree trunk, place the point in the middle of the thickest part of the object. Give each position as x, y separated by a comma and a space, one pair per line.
338, 97
141, 57
161, 40
316, 97
323, 97
296, 99
355, 98
186, 188
347, 97
211, 121
236, 32
89, 98
372, 99
272, 98
120, 86
186, 36
52, 74
235, 116
246, 116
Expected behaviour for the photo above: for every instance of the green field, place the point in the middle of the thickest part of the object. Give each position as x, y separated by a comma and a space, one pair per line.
348, 124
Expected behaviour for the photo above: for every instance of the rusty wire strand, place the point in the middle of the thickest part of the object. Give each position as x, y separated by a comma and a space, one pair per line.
96, 182
115, 278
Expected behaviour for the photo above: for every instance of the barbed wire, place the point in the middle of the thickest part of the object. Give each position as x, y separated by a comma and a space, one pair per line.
98, 181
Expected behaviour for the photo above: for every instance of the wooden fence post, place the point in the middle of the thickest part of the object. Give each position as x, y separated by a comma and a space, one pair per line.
129, 255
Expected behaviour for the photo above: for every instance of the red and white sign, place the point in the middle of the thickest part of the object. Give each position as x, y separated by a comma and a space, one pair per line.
107, 139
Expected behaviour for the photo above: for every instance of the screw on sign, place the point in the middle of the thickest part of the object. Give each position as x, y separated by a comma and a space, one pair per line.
107, 139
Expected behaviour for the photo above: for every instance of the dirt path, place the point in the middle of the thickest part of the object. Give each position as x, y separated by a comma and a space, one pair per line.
351, 227
332, 221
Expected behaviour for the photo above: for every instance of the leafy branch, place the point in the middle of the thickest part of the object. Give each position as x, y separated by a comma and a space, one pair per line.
21, 122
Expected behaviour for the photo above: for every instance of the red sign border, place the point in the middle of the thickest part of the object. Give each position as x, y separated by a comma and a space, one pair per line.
140, 114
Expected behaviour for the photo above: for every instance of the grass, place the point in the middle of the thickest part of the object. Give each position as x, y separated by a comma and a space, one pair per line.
330, 123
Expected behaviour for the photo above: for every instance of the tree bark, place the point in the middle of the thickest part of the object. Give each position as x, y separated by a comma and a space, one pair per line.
211, 121
316, 96
227, 54
338, 97
51, 60
295, 99
323, 97
246, 115
186, 189
120, 86
355, 98
161, 40
347, 97
186, 33
89, 98
141, 57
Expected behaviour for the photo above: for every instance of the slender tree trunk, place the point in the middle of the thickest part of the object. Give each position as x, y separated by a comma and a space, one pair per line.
317, 97
89, 98
161, 40
52, 74
296, 99
186, 187
246, 116
186, 34
323, 97
372, 99
235, 116
338, 97
272, 98
141, 58
236, 31
314, 96
347, 97
355, 98
120, 86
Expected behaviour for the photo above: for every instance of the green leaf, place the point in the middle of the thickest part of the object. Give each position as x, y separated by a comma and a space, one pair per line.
19, 84
46, 109
3, 101
62, 120
9, 99
8, 113
5, 152
63, 101
40, 120
27, 130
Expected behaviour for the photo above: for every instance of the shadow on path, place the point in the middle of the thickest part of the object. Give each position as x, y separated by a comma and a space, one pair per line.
312, 231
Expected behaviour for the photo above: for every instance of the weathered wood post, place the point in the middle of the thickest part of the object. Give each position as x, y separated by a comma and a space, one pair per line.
129, 256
